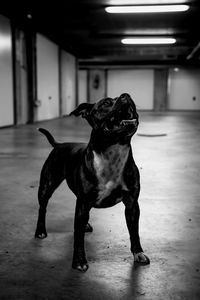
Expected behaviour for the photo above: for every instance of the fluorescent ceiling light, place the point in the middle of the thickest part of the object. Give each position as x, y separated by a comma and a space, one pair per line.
148, 41
145, 2
146, 9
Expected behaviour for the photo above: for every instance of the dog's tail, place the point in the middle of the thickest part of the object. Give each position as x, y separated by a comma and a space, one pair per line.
49, 137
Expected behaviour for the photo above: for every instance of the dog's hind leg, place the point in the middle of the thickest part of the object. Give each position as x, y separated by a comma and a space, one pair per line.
48, 184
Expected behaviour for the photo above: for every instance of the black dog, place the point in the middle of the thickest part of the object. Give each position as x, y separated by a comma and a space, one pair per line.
100, 174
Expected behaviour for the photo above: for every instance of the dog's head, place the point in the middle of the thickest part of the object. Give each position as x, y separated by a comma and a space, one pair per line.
109, 116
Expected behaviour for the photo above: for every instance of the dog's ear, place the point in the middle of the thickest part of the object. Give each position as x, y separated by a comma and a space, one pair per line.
82, 110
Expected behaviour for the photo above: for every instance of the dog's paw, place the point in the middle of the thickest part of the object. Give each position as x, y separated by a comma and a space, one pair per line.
88, 228
79, 261
40, 232
80, 266
40, 235
141, 258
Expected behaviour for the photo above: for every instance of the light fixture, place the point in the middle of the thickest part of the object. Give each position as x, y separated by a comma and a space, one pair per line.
145, 2
148, 41
147, 9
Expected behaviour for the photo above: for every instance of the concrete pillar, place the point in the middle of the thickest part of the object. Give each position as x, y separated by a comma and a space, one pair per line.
97, 85
160, 89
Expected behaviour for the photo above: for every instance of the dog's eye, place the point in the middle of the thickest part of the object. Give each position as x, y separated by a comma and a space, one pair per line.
107, 102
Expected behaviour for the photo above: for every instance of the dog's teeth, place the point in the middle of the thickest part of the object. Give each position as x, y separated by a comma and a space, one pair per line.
125, 122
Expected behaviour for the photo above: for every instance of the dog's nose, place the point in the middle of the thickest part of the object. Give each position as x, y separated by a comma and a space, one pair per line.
125, 96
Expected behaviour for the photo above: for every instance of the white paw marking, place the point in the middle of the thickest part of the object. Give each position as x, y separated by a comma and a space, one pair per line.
140, 257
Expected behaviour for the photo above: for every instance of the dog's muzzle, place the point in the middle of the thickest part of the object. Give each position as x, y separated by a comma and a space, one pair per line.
117, 123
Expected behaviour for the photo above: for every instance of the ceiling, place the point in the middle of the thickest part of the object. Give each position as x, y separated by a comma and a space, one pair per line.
85, 29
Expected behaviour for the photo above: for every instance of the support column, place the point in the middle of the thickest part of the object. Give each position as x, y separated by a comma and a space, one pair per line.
160, 89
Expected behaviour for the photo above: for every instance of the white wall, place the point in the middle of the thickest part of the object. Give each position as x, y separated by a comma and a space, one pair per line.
68, 82
47, 79
138, 83
82, 86
6, 79
184, 89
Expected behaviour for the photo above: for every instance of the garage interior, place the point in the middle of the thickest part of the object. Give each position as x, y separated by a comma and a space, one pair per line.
53, 59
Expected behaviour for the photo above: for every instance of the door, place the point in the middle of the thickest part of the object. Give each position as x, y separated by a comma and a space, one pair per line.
47, 79
184, 89
68, 82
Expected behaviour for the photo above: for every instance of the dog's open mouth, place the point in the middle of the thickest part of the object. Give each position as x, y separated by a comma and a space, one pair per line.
112, 124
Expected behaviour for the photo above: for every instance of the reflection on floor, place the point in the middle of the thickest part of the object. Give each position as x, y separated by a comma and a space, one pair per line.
167, 151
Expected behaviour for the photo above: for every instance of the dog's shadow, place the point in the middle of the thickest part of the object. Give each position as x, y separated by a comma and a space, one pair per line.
53, 278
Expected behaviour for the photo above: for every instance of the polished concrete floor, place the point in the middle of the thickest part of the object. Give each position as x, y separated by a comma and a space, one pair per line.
169, 223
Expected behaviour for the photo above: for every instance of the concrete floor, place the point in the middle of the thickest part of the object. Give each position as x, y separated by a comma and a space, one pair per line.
169, 223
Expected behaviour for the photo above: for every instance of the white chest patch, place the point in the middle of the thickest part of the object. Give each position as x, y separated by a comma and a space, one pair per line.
109, 167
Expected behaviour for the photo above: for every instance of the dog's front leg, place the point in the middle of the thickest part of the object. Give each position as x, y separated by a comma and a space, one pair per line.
81, 219
132, 214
